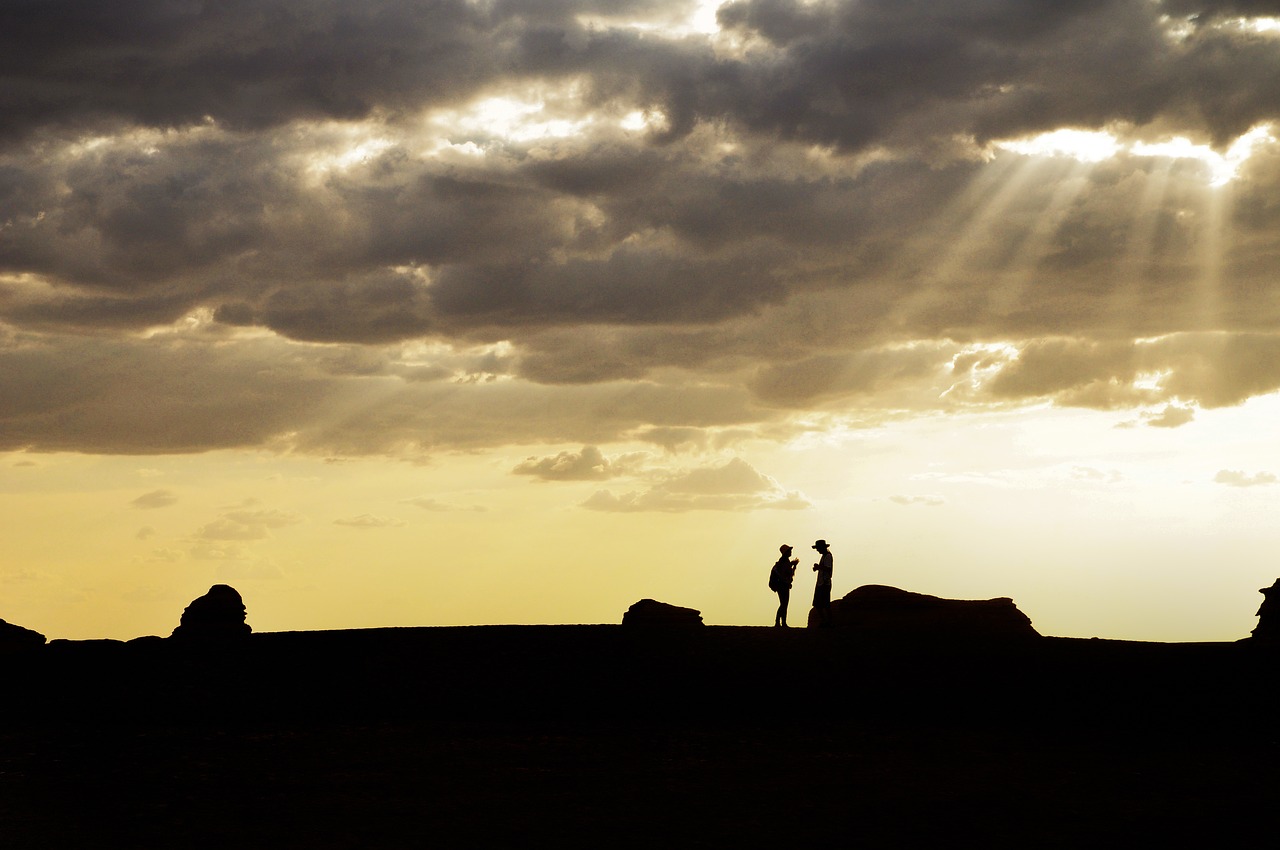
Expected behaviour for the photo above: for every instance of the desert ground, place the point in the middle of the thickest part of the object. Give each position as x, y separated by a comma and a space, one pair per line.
614, 736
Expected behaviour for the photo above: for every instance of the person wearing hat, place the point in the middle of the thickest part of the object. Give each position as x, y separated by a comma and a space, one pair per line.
784, 570
822, 590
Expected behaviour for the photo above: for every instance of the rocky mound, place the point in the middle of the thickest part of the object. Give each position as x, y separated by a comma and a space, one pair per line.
888, 611
1268, 629
17, 638
218, 615
650, 612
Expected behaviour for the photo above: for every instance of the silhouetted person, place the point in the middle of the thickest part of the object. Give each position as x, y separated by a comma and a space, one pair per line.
780, 577
822, 590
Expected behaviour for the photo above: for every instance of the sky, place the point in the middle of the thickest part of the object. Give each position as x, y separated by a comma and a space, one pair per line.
446, 312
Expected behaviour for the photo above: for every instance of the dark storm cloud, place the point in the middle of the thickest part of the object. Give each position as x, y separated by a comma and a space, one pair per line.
630, 286
879, 71
252, 64
847, 74
810, 217
248, 63
198, 213
1222, 8
859, 74
187, 394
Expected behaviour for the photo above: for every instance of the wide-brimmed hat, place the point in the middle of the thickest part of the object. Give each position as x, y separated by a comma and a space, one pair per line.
821, 544
784, 548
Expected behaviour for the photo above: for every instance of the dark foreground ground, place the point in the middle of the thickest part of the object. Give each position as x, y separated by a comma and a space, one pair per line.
601, 736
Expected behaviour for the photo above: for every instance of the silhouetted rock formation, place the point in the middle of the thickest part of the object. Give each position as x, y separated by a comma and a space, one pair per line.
218, 615
877, 609
1268, 628
649, 612
17, 638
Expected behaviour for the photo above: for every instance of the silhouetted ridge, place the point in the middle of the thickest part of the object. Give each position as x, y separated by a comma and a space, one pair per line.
218, 615
888, 611
17, 638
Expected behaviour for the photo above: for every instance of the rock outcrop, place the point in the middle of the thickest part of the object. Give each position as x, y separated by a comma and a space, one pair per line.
650, 612
887, 611
218, 615
1268, 629
16, 638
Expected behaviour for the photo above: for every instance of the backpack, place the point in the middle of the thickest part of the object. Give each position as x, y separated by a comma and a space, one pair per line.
776, 579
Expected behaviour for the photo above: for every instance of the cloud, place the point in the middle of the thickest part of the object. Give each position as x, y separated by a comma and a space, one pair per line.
814, 378
155, 499
403, 228
928, 501
1171, 417
1236, 478
1180, 370
850, 75
428, 503
1088, 473
247, 524
586, 465
370, 521
218, 551
733, 486
145, 533
190, 392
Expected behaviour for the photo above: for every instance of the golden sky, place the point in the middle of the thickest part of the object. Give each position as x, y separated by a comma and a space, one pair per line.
432, 313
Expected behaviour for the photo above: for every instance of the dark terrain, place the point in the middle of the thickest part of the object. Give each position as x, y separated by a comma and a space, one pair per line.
614, 736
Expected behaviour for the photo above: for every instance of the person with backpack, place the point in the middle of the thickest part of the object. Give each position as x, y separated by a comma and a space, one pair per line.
780, 578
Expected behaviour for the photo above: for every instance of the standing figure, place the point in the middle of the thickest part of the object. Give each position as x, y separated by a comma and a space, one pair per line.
822, 590
780, 577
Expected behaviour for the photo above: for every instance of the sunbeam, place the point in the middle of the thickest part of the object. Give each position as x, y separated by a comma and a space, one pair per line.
1134, 270
958, 242
1211, 248
1018, 276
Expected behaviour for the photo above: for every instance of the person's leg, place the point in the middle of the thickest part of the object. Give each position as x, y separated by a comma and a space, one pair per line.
823, 604
784, 597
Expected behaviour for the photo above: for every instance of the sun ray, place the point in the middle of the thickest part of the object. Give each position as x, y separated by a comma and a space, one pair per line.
980, 254
1212, 246
1010, 285
954, 243
1134, 271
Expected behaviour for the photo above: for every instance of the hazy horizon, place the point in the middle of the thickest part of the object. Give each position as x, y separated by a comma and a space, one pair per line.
470, 312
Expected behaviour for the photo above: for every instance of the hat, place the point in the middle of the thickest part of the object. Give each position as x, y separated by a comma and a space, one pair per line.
820, 544
784, 548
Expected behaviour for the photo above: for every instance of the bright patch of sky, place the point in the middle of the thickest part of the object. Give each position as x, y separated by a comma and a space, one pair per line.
1093, 146
699, 18
515, 119
1080, 145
